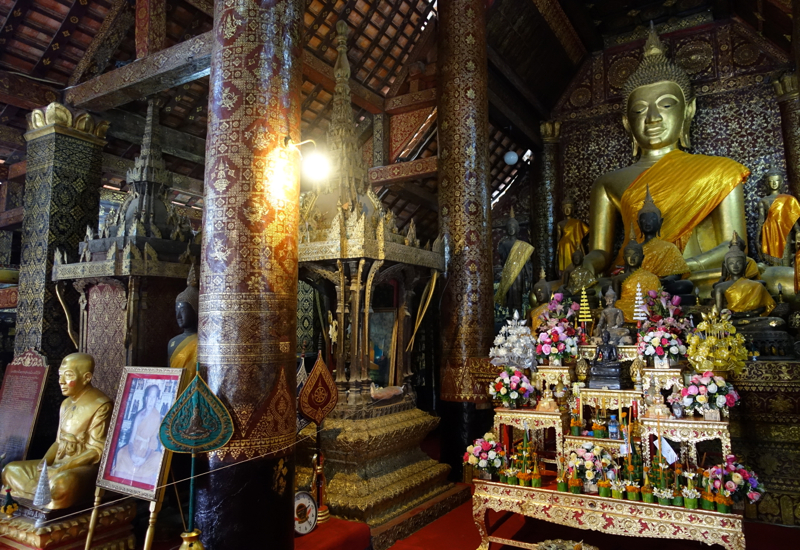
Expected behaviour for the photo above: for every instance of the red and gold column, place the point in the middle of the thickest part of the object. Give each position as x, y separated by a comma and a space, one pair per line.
465, 216
788, 94
248, 287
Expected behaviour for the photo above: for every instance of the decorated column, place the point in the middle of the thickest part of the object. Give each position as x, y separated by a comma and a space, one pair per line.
248, 288
544, 201
789, 102
465, 219
62, 198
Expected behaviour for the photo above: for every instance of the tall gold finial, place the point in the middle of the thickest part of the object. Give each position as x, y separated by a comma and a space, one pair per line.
632, 242
655, 67
542, 274
653, 45
511, 213
191, 295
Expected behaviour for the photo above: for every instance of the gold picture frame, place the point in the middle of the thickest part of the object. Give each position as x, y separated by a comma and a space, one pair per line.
134, 461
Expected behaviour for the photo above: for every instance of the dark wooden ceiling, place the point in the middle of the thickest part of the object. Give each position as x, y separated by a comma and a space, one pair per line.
535, 49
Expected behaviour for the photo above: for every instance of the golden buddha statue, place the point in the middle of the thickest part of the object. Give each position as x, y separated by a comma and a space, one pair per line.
777, 219
541, 290
701, 196
517, 269
625, 283
569, 233
73, 460
745, 298
182, 349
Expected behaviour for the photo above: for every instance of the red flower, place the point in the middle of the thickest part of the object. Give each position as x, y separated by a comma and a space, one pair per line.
555, 337
659, 351
498, 386
486, 445
664, 342
656, 318
730, 400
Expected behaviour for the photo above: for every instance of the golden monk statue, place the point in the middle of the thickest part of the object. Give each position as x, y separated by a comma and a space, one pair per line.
140, 458
745, 298
777, 218
517, 269
542, 292
73, 460
625, 283
701, 196
570, 234
183, 348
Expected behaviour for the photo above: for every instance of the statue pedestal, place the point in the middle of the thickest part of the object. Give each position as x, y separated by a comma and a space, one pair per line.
114, 531
375, 468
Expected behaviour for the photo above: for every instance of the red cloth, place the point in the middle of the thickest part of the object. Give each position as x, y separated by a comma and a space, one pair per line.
335, 534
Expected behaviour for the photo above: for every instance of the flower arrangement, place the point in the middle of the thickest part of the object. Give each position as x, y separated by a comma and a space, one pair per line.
707, 392
715, 344
734, 481
664, 313
485, 454
661, 343
558, 342
511, 386
592, 463
513, 345
559, 311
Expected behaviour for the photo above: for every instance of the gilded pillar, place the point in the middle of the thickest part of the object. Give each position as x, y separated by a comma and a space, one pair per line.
465, 218
789, 103
62, 198
248, 286
380, 139
545, 201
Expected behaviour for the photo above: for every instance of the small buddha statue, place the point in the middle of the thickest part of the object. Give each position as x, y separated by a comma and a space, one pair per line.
700, 195
517, 268
606, 369
654, 402
73, 460
777, 219
577, 276
625, 283
569, 233
661, 258
182, 349
541, 290
743, 297
611, 321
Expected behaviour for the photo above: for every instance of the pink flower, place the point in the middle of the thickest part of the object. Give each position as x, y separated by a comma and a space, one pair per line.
705, 380
730, 485
558, 296
561, 346
515, 379
513, 385
692, 390
659, 351
518, 373
676, 301
703, 390
546, 349
742, 472
753, 496
729, 400
684, 392
730, 468
664, 342
484, 455
575, 306
708, 374
717, 483
486, 446
652, 293
466, 457
539, 349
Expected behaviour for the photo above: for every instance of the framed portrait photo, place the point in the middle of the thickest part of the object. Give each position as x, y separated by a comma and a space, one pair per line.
134, 461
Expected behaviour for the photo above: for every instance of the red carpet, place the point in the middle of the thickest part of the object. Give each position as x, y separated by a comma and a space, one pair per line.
457, 531
335, 533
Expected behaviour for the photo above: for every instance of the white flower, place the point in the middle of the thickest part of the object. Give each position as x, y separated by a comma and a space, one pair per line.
650, 350
589, 475
687, 401
503, 391
674, 350
589, 464
721, 401
497, 463
712, 388
683, 349
492, 455
513, 395
482, 464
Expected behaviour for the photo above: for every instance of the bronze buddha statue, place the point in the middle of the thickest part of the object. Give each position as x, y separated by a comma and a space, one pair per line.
778, 216
606, 369
182, 349
611, 322
633, 275
743, 297
541, 291
701, 196
517, 268
73, 460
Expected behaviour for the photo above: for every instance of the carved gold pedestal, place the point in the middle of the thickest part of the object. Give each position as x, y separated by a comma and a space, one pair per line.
689, 430
375, 468
113, 532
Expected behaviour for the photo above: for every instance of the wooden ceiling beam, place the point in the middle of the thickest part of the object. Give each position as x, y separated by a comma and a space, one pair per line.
343, 15
364, 131
416, 194
130, 127
11, 137
16, 15
412, 40
184, 62
108, 38
311, 30
381, 176
514, 79
205, 6
25, 93
151, 27
411, 102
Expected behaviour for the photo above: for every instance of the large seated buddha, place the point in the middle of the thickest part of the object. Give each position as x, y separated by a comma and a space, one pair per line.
701, 197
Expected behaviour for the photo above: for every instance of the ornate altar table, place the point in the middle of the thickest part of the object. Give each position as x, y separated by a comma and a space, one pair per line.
689, 430
535, 420
607, 515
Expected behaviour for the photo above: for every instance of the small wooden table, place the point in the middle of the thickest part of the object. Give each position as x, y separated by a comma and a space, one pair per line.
536, 420
607, 515
688, 430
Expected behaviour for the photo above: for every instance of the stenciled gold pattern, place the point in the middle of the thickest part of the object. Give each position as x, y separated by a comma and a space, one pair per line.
248, 287
465, 210
607, 515
534, 420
